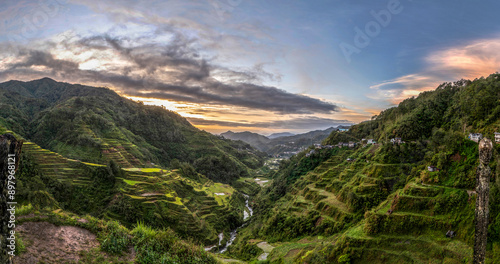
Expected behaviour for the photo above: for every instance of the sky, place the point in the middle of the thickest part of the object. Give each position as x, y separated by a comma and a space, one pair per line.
264, 66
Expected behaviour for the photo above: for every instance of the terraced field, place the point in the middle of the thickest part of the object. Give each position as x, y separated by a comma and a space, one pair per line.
187, 205
56, 166
405, 226
115, 146
335, 189
190, 205
411, 227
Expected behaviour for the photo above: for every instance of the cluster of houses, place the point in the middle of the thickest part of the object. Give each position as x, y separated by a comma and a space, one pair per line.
476, 137
397, 140
350, 144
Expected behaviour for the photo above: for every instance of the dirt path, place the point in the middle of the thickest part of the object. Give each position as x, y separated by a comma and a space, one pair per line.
48, 243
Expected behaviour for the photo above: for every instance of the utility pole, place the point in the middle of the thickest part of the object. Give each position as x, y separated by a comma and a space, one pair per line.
483, 192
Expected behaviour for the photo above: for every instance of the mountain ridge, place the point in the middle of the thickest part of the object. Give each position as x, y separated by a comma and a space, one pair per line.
281, 134
278, 146
130, 162
88, 123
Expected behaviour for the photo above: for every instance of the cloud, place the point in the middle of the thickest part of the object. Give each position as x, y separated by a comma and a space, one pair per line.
172, 70
157, 50
470, 61
295, 123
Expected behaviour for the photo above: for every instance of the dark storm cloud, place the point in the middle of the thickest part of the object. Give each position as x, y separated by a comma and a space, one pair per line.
38, 58
173, 71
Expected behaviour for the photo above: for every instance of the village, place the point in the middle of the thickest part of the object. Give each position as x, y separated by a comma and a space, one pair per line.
476, 137
273, 163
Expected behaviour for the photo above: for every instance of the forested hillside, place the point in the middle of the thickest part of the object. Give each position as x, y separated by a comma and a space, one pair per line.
137, 176
390, 202
96, 125
381, 203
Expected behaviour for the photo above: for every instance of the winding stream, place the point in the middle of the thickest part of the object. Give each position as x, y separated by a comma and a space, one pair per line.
246, 216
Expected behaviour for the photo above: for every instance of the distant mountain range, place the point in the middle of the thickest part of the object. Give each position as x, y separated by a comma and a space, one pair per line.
283, 144
283, 134
256, 140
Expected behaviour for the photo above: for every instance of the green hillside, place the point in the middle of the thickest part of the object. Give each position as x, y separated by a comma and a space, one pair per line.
193, 205
112, 243
380, 203
97, 125
375, 203
88, 151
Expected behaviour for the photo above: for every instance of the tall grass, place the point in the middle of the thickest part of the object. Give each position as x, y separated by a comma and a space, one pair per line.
163, 246
115, 238
24, 210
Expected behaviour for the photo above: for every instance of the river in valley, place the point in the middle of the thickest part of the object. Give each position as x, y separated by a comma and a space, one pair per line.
246, 215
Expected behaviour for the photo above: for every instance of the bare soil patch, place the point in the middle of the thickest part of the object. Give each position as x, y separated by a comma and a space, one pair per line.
292, 253
48, 243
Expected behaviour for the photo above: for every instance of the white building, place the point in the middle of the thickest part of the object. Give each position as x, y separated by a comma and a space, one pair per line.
432, 168
497, 137
396, 140
476, 136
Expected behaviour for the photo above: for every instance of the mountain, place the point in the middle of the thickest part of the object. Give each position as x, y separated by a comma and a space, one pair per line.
390, 202
90, 151
96, 125
258, 141
283, 145
387, 202
283, 134
296, 143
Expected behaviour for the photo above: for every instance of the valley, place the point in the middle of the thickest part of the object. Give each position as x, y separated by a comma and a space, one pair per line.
282, 145
250, 132
393, 200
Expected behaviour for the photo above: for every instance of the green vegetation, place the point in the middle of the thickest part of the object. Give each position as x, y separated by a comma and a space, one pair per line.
150, 245
89, 151
96, 125
152, 181
379, 203
192, 205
